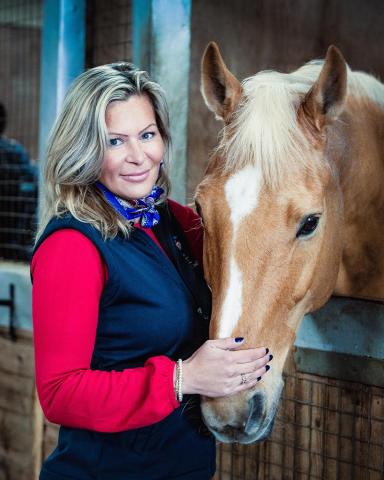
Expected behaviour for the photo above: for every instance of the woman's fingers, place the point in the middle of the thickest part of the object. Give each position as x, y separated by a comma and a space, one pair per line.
245, 377
251, 367
246, 386
220, 368
249, 380
250, 354
235, 344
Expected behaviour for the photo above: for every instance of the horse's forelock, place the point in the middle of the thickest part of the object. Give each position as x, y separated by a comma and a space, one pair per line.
265, 129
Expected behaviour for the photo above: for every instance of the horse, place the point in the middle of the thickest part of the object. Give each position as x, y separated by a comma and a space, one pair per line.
292, 204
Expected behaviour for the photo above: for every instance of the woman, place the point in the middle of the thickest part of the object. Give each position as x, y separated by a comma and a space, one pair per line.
119, 299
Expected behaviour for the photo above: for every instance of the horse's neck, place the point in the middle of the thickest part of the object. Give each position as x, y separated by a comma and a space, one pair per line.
361, 167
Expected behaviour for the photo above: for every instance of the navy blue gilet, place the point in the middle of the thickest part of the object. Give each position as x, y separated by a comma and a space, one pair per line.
149, 306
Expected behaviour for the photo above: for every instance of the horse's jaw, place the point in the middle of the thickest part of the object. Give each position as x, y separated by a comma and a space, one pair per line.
246, 417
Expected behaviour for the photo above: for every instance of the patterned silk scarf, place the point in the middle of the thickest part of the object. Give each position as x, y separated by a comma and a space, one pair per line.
142, 208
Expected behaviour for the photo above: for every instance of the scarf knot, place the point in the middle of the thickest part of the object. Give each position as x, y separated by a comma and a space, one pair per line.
142, 208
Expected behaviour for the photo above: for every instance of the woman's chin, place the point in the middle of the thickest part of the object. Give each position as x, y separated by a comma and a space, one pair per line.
136, 190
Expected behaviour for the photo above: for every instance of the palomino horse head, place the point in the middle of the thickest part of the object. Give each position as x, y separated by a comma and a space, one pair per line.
272, 207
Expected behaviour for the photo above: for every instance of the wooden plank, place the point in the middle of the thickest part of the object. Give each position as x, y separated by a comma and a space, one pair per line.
16, 432
251, 463
110, 41
17, 420
17, 357
238, 454
275, 460
298, 391
376, 440
16, 394
38, 437
226, 459
15, 465
317, 430
288, 419
331, 427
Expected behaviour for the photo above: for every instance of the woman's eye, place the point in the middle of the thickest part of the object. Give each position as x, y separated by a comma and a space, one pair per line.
147, 135
114, 142
308, 226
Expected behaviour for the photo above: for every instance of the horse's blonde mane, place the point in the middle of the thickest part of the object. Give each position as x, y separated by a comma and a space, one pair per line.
265, 130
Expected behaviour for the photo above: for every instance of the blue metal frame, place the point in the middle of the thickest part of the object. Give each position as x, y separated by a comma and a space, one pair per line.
141, 33
161, 44
62, 59
343, 339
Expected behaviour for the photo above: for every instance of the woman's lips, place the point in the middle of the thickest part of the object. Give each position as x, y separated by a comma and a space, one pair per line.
136, 177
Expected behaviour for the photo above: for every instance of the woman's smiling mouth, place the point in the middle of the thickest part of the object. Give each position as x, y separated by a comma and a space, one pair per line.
136, 177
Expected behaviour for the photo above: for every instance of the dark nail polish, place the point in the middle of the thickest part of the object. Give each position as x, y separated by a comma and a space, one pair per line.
239, 339
267, 367
258, 379
266, 350
270, 357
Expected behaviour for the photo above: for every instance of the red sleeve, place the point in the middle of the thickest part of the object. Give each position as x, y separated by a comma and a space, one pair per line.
191, 224
68, 277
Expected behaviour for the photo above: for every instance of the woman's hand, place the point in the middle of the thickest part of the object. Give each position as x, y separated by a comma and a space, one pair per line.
218, 368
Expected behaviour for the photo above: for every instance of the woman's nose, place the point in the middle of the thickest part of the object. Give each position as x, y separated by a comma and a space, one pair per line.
134, 152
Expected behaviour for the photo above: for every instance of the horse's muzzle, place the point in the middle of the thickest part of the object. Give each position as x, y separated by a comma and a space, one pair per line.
244, 421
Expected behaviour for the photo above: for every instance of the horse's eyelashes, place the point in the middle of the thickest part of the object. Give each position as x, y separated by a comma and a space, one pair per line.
308, 225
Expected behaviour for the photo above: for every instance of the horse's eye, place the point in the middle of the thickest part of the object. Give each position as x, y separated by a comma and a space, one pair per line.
308, 226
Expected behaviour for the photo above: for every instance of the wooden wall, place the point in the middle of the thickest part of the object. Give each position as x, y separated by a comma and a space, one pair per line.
325, 430
109, 32
275, 34
20, 416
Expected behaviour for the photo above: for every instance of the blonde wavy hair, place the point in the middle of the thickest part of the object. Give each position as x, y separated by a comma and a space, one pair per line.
78, 141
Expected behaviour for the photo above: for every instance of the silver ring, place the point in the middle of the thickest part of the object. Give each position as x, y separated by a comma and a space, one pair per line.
244, 378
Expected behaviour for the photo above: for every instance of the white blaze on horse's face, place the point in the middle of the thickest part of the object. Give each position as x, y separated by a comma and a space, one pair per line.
271, 207
241, 193
262, 279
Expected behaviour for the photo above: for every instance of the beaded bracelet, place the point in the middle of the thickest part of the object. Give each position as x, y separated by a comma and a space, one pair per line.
179, 380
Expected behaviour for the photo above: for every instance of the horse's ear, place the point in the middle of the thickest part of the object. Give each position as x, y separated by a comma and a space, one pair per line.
325, 100
220, 88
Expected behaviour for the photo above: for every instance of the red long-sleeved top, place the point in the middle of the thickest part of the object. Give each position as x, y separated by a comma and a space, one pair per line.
68, 279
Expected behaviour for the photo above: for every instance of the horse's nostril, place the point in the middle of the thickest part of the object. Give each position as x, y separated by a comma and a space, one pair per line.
256, 411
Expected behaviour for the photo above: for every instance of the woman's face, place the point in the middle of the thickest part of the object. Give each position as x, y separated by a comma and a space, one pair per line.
135, 148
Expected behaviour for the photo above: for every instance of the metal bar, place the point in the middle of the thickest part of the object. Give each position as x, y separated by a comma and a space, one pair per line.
141, 33
335, 342
10, 303
62, 59
161, 44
